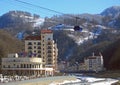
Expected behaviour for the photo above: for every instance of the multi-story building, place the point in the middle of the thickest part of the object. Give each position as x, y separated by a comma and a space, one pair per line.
40, 56
44, 47
94, 63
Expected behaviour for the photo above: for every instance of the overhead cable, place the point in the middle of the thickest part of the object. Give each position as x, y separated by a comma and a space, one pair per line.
39, 6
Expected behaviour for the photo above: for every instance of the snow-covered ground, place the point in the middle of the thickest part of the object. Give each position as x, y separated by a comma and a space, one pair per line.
88, 81
81, 39
38, 22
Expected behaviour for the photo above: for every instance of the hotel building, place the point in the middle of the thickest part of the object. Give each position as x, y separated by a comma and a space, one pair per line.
94, 63
44, 47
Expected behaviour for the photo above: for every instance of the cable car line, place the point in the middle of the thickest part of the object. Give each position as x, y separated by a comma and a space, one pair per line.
39, 6
76, 27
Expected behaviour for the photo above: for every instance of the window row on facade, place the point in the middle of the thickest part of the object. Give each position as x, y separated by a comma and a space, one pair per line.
38, 43
23, 66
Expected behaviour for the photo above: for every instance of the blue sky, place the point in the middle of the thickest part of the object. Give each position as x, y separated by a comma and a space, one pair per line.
64, 6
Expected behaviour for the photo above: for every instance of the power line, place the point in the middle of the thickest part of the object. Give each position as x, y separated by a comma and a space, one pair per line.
39, 7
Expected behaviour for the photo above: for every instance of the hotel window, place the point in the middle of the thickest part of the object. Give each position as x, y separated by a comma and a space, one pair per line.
49, 51
24, 66
39, 51
39, 65
3, 66
17, 66
30, 65
39, 56
49, 63
49, 60
21, 65
34, 46
48, 38
49, 43
49, 47
8, 66
27, 66
29, 47
43, 65
39, 43
35, 51
39, 47
49, 56
34, 43
29, 43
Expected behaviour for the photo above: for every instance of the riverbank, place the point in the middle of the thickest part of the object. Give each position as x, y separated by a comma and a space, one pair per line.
60, 80
42, 81
108, 74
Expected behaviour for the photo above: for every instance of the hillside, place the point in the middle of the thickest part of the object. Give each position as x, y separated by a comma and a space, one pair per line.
9, 44
112, 56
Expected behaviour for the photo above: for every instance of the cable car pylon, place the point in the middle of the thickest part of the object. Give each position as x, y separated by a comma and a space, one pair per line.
77, 27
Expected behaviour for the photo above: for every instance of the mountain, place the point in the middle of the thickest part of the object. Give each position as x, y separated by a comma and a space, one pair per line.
20, 20
113, 11
111, 17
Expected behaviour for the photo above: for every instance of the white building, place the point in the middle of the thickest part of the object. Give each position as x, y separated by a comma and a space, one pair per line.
94, 63
14, 65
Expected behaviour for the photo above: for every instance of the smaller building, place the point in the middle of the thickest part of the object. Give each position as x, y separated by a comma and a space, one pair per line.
26, 66
92, 63
63, 65
82, 67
